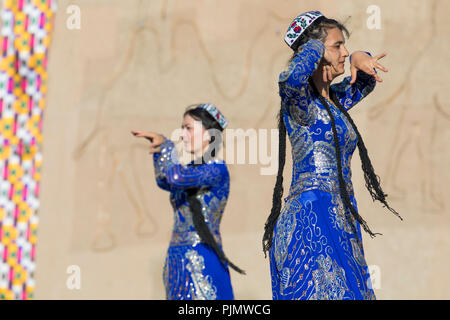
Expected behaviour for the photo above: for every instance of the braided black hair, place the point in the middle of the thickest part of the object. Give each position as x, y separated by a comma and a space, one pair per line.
195, 206
278, 190
371, 179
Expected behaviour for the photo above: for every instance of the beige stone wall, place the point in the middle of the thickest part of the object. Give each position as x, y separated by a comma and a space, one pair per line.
137, 65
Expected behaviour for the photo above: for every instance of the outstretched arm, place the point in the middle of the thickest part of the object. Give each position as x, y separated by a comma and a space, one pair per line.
170, 173
177, 175
155, 147
362, 80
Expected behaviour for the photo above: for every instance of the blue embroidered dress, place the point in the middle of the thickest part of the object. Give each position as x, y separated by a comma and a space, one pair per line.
192, 270
317, 251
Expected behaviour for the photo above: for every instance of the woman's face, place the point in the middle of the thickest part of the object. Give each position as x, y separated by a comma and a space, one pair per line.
194, 135
336, 52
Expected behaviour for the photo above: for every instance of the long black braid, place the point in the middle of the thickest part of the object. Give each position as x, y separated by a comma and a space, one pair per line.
203, 230
278, 190
198, 219
371, 179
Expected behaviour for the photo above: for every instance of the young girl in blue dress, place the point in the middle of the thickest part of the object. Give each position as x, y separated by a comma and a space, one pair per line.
314, 240
196, 267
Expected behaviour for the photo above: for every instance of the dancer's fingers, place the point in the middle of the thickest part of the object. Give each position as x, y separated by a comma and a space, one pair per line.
141, 134
324, 74
135, 132
380, 56
138, 133
370, 70
155, 150
377, 78
379, 66
330, 75
354, 72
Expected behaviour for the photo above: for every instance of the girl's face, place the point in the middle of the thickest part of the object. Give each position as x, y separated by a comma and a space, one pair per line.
194, 135
336, 52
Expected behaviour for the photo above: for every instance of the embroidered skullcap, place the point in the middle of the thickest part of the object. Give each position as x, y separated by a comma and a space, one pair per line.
299, 25
215, 113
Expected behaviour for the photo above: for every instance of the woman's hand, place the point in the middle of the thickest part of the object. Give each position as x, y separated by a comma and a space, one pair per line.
155, 139
364, 62
327, 68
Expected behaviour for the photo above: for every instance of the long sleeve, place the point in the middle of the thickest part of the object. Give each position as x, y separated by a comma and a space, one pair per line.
350, 94
293, 83
172, 174
303, 65
160, 160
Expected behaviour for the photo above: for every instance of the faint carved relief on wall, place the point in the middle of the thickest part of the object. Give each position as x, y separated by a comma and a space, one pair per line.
150, 59
419, 122
171, 54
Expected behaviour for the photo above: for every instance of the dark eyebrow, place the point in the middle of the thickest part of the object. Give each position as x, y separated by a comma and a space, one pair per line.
339, 42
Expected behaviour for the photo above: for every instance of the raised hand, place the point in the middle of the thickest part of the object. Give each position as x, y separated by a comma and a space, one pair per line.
155, 139
364, 62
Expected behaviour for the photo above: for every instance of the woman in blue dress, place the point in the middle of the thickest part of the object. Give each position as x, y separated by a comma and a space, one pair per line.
196, 267
314, 240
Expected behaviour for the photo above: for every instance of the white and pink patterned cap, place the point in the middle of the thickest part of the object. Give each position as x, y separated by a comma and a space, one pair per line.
215, 113
299, 25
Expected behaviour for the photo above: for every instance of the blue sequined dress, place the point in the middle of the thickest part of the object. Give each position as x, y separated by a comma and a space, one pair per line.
317, 250
192, 270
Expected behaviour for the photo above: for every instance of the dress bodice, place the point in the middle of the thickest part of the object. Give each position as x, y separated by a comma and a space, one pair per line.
211, 182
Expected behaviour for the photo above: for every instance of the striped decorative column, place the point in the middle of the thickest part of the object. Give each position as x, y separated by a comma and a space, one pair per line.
25, 38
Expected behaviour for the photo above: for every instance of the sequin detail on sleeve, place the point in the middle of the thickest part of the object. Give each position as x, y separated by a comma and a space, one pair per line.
350, 94
293, 83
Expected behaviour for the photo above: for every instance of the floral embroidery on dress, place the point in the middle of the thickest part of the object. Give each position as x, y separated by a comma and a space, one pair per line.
329, 280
